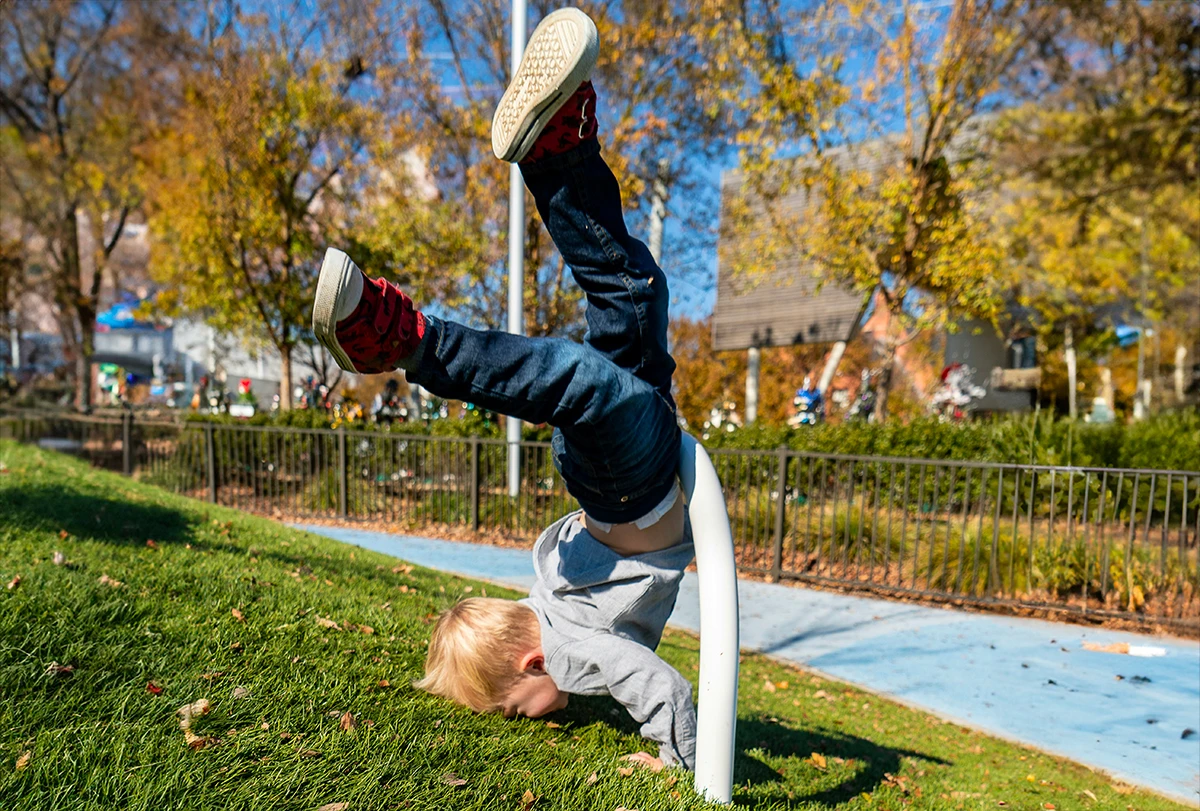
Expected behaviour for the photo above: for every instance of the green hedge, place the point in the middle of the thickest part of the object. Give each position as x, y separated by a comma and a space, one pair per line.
1169, 441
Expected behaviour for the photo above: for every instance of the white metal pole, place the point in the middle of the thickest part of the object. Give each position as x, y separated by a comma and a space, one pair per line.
516, 253
835, 357
753, 361
716, 720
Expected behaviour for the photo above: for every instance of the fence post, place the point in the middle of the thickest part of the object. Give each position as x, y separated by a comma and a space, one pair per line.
342, 462
210, 456
780, 515
474, 484
127, 443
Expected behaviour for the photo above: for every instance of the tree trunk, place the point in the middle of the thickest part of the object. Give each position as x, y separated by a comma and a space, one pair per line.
885, 383
86, 318
285, 378
1072, 385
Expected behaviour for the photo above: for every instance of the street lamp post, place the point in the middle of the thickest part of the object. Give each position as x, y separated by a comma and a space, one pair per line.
516, 254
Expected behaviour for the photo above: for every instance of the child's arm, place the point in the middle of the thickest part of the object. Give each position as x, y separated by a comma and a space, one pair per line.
656, 695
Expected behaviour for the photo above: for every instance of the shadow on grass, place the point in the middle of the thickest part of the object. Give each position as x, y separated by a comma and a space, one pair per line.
775, 740
96, 517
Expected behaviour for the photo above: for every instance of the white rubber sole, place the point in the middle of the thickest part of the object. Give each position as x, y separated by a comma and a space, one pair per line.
560, 56
336, 283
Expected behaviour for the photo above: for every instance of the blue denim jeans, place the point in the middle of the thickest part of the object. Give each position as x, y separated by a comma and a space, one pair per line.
616, 439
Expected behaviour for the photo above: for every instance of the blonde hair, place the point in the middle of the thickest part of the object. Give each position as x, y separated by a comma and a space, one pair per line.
474, 651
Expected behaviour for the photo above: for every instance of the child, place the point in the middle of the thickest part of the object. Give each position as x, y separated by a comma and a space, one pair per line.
607, 576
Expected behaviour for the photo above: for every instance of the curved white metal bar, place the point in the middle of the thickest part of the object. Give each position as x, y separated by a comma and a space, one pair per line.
717, 712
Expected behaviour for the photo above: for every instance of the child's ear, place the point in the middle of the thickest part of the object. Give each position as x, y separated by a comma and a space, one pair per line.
533, 661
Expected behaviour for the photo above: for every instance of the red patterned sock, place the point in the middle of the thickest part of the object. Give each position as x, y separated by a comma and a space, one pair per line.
574, 123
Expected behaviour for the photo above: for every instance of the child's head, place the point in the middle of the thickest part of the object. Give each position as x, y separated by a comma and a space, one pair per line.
486, 653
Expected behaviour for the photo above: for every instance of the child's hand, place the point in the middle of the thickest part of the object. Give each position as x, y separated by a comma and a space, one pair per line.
645, 759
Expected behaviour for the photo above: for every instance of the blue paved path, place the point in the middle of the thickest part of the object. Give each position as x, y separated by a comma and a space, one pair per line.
1027, 680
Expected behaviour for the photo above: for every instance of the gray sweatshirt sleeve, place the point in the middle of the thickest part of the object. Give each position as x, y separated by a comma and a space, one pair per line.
656, 695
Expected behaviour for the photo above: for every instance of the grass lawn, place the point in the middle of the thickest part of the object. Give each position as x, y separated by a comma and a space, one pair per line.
305, 648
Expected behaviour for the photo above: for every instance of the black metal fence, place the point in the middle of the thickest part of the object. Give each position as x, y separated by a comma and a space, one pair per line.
1091, 541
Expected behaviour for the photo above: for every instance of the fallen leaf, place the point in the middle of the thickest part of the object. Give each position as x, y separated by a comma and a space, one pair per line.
1115, 647
105, 580
153, 689
24, 759
327, 623
55, 669
366, 629
63, 534
553, 725
187, 712
769, 686
238, 615
452, 779
59, 558
240, 692
307, 753
592, 778
14, 583
384, 684
624, 771
818, 760
150, 543
401, 569
334, 807
348, 722
527, 800
1089, 795
1048, 806
213, 676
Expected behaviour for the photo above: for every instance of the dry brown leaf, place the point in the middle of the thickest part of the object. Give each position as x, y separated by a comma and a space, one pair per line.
24, 759
105, 580
55, 669
592, 778
452, 779
769, 686
348, 722
366, 629
1089, 795
527, 800
63, 534
238, 615
401, 569
384, 684
150, 543
327, 623
1115, 647
306, 753
671, 780
334, 807
14, 583
187, 712
624, 771
240, 692
553, 725
818, 760
213, 676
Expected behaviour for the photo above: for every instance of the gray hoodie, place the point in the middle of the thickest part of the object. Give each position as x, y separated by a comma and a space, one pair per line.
602, 616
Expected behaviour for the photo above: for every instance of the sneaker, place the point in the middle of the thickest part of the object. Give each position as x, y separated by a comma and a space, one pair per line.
369, 325
560, 56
